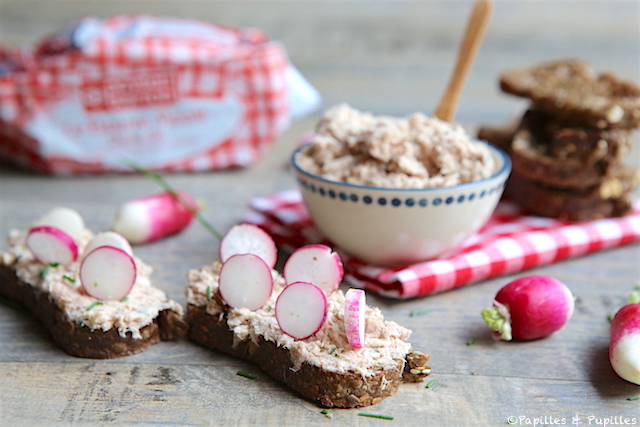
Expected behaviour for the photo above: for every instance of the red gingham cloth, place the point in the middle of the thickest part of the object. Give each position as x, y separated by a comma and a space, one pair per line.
143, 88
510, 242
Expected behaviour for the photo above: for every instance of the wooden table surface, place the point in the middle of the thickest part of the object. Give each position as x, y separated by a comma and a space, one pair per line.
387, 57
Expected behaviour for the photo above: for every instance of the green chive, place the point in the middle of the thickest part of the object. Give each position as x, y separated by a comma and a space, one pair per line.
94, 304
471, 341
610, 317
208, 293
325, 412
633, 398
415, 313
333, 350
167, 187
71, 279
246, 375
430, 384
384, 417
125, 299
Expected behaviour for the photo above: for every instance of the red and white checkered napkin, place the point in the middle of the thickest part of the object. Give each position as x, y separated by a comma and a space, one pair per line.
509, 243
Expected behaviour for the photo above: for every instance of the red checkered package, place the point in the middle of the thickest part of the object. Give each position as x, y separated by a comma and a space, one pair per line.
170, 94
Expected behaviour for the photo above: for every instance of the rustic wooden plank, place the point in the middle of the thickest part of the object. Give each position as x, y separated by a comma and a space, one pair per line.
388, 57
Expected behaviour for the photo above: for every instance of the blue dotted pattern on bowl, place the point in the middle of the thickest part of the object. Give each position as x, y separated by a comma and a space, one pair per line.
397, 202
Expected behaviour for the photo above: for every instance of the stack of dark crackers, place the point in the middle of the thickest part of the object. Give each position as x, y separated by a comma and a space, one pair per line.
569, 148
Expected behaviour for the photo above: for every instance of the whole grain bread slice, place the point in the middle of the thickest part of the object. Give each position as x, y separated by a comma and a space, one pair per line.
574, 92
323, 369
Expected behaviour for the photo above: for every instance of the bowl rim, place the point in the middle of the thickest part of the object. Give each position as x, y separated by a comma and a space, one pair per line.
505, 169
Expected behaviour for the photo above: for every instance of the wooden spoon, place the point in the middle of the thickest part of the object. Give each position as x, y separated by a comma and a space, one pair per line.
476, 27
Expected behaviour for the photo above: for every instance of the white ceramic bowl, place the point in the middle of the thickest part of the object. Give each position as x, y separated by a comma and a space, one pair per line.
395, 227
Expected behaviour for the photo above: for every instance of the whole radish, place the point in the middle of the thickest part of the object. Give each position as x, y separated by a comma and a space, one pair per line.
150, 218
624, 344
529, 308
54, 237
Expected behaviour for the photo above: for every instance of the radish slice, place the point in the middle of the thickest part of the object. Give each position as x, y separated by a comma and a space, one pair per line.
354, 320
245, 282
248, 239
50, 245
317, 264
150, 218
109, 238
301, 310
64, 219
108, 273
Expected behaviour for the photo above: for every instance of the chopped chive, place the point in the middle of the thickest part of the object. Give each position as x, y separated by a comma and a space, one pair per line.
471, 341
333, 350
633, 398
81, 323
384, 417
610, 317
430, 384
95, 303
45, 270
167, 187
95, 285
208, 293
125, 299
415, 313
71, 279
246, 375
325, 412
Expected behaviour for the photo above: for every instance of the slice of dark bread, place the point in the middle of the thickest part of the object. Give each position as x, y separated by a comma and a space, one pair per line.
612, 198
323, 368
50, 295
573, 92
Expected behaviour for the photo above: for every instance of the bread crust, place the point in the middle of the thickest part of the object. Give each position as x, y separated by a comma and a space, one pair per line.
79, 340
325, 388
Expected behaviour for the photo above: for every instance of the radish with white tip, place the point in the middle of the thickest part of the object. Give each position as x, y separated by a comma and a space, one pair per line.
624, 344
146, 219
354, 316
54, 237
301, 310
108, 238
317, 264
529, 308
108, 273
245, 282
248, 239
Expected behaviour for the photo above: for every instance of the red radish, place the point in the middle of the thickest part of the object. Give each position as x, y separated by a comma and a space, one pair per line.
248, 239
301, 310
64, 219
149, 218
50, 245
624, 346
354, 319
109, 238
245, 282
529, 308
108, 273
317, 264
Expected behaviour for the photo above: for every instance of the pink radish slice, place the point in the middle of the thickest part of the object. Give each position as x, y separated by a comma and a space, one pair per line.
245, 282
317, 264
51, 245
108, 273
301, 310
624, 345
109, 238
248, 239
64, 219
529, 308
150, 218
354, 319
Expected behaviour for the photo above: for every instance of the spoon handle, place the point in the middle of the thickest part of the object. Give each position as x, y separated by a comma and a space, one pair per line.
476, 27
